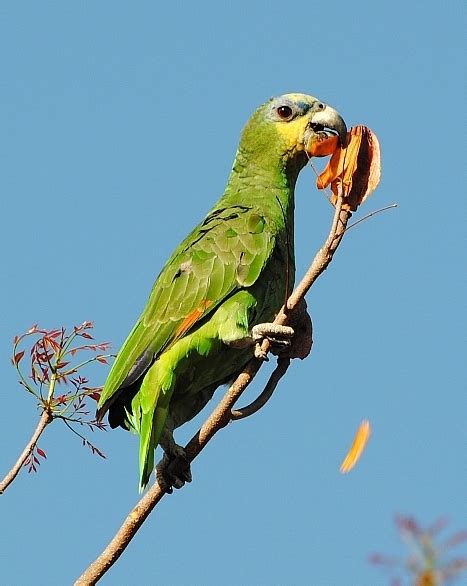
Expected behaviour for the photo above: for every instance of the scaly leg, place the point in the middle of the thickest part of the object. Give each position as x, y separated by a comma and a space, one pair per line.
166, 477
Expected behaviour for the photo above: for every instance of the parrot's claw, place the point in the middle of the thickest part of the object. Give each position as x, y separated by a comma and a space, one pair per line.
260, 354
280, 338
174, 469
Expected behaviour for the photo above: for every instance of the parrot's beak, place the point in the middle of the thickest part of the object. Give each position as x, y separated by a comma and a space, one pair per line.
324, 124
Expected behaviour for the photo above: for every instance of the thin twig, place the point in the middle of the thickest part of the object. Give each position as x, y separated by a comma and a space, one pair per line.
371, 214
221, 415
45, 419
323, 257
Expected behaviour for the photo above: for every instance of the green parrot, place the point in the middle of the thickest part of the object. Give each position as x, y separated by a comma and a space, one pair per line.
214, 300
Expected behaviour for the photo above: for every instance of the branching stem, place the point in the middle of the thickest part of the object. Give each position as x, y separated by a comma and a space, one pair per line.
44, 421
222, 414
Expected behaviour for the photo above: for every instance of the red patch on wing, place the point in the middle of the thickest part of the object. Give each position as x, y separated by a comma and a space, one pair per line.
192, 318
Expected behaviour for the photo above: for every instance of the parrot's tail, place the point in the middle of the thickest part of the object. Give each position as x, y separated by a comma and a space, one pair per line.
147, 446
149, 410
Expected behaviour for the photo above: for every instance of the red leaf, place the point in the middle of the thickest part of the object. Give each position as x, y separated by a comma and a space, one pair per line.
379, 559
16, 340
103, 346
18, 357
456, 539
102, 359
41, 453
95, 395
87, 336
408, 524
44, 357
52, 343
54, 333
61, 364
33, 374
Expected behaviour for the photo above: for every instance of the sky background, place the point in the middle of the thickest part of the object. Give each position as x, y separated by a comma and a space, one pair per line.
119, 122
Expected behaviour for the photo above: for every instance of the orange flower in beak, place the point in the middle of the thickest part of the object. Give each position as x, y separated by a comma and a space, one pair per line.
353, 170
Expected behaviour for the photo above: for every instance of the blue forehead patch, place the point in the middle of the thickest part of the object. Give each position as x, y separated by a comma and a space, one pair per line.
304, 106
301, 105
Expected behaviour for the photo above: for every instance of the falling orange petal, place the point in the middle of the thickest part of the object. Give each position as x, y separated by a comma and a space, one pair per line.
358, 445
354, 170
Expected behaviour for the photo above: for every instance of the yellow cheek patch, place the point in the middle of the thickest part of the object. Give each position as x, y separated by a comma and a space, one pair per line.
292, 133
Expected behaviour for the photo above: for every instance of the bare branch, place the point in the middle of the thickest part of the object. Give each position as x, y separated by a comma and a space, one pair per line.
318, 266
222, 414
47, 368
44, 421
322, 259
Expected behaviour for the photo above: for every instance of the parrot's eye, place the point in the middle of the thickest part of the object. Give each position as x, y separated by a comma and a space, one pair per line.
285, 112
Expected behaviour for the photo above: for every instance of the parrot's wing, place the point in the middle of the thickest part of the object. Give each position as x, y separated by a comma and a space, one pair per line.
223, 254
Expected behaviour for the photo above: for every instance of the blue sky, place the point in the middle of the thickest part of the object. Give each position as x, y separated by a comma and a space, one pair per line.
119, 126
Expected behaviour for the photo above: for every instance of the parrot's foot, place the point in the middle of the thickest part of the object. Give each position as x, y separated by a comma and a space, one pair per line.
174, 469
280, 338
293, 341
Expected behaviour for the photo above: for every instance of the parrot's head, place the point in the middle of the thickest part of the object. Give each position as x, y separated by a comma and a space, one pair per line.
289, 125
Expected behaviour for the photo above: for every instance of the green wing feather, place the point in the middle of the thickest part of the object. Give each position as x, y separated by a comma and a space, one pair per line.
225, 253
